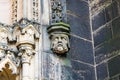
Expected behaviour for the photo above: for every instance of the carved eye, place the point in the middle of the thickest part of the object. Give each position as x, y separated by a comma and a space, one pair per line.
56, 38
63, 38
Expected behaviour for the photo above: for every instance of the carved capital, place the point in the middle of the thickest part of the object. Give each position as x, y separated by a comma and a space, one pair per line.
26, 35
26, 52
26, 38
59, 36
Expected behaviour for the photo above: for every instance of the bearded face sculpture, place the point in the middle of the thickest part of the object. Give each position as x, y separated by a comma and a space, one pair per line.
59, 37
60, 43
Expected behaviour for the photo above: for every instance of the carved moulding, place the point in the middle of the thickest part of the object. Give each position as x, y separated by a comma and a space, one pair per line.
26, 38
59, 37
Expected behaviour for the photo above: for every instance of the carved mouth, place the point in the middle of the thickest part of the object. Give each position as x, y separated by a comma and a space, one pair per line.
59, 48
60, 44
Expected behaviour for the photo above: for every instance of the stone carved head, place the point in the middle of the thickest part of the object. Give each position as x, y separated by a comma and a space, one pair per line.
59, 38
60, 43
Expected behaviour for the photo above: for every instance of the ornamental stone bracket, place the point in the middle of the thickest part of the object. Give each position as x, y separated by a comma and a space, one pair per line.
26, 37
59, 37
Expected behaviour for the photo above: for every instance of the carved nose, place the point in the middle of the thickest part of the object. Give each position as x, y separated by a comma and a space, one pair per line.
60, 40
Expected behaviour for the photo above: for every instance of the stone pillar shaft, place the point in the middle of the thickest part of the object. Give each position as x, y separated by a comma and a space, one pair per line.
25, 8
29, 10
25, 74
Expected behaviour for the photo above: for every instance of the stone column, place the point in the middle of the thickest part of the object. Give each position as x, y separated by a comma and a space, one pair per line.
29, 9
26, 53
19, 9
26, 39
25, 8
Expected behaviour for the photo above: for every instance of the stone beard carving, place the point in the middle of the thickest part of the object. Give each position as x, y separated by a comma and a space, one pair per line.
60, 43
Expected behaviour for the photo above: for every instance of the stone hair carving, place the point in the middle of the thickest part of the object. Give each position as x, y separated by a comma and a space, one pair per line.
59, 36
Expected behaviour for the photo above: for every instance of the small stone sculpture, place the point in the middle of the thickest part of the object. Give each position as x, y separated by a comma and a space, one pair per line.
59, 36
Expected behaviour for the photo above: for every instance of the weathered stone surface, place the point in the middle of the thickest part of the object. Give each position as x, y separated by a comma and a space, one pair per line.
81, 50
113, 66
98, 20
106, 39
94, 43
102, 71
102, 35
82, 71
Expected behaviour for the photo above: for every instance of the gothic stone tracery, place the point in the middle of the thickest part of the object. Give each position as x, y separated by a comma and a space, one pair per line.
23, 49
58, 11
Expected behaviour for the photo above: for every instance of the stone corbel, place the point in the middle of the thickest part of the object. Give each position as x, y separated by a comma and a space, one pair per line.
59, 37
26, 42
